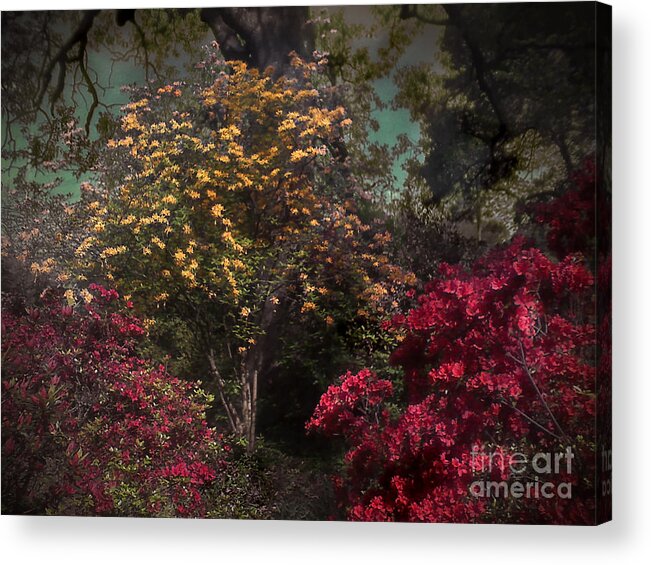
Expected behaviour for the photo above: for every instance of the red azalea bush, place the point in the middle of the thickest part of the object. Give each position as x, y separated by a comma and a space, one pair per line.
87, 426
570, 217
496, 360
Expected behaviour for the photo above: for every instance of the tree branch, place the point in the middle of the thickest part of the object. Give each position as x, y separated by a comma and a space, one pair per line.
79, 36
231, 412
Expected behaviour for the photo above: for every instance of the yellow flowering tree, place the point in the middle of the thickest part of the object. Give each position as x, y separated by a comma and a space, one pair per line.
226, 204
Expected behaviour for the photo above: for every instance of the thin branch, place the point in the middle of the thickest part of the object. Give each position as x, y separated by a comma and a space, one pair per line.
530, 419
231, 413
523, 362
61, 58
89, 84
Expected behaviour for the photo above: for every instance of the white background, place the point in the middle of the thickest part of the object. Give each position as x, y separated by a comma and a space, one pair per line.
625, 540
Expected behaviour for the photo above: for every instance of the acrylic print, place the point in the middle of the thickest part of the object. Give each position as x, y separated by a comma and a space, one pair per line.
307, 263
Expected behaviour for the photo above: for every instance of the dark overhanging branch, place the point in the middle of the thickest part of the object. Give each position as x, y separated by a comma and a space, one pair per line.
62, 58
89, 84
479, 66
564, 152
499, 165
234, 29
454, 18
230, 43
123, 17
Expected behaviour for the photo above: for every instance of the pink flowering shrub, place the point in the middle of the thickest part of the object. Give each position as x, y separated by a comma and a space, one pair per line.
88, 427
570, 218
495, 359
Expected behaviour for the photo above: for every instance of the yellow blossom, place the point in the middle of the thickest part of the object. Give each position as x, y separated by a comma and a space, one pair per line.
188, 274
112, 251
298, 155
203, 177
308, 307
229, 133
286, 125
217, 210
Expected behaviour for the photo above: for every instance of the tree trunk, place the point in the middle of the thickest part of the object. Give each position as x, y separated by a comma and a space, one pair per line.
262, 37
241, 411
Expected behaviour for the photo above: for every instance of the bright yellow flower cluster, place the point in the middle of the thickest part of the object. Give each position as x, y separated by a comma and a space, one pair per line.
44, 267
211, 210
113, 251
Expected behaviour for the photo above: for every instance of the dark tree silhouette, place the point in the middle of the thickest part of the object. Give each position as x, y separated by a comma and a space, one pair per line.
45, 52
523, 77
